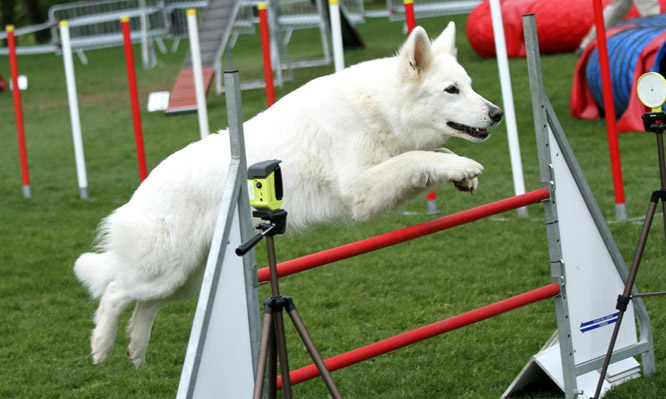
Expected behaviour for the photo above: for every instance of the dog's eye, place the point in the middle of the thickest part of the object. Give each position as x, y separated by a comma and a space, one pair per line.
452, 90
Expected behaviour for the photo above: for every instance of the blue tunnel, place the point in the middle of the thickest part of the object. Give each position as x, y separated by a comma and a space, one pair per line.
624, 51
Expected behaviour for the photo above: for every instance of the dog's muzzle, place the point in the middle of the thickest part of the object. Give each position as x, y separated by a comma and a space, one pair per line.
477, 133
495, 115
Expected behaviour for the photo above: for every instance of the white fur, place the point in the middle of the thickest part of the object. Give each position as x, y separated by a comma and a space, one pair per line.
353, 145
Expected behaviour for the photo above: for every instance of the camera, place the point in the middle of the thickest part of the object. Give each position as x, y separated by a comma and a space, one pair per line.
264, 184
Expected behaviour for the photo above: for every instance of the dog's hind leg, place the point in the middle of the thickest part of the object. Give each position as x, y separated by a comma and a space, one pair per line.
139, 328
111, 305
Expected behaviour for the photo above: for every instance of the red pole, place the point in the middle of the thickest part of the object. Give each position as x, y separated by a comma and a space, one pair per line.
18, 111
609, 109
431, 203
423, 333
266, 49
134, 97
431, 200
408, 233
409, 15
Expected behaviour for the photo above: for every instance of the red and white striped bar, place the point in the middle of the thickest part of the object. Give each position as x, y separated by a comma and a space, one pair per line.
408, 233
423, 333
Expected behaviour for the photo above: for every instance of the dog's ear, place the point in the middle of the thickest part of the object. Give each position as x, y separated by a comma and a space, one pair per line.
445, 44
416, 54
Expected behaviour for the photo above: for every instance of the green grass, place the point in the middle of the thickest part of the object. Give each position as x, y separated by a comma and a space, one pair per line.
45, 314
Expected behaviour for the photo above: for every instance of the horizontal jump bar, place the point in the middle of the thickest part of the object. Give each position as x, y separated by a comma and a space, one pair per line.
422, 333
408, 233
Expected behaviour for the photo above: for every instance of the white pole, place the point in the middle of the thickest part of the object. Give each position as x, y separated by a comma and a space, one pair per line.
276, 44
197, 70
74, 110
145, 57
336, 32
507, 99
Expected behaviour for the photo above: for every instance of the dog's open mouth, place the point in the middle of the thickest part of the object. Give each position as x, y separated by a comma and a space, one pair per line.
472, 131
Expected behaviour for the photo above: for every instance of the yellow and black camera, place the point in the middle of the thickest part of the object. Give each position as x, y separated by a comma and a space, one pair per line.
264, 183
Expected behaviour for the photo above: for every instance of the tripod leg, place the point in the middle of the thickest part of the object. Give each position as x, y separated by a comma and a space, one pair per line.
314, 353
266, 335
663, 210
623, 300
278, 321
609, 353
272, 366
662, 172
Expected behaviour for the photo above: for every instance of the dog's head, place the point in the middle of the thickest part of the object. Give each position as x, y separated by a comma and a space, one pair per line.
440, 88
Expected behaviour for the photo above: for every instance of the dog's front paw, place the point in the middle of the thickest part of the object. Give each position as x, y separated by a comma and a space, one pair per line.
464, 171
468, 185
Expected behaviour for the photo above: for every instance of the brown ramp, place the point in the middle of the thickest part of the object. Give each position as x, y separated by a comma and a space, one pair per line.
214, 32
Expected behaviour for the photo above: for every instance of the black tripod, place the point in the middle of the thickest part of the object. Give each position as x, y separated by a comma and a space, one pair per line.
273, 341
654, 122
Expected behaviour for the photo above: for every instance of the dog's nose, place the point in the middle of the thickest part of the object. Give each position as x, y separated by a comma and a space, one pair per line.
496, 114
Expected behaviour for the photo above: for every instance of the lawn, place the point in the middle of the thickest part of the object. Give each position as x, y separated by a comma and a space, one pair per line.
46, 315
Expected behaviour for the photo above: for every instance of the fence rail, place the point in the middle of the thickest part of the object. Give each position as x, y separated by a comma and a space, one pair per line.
408, 233
420, 334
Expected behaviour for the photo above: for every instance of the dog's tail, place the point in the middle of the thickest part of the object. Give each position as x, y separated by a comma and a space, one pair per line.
95, 271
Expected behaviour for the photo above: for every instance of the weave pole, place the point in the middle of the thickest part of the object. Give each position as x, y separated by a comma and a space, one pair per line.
74, 117
18, 112
425, 332
336, 33
266, 51
197, 72
431, 203
134, 98
408, 233
507, 102
410, 19
609, 110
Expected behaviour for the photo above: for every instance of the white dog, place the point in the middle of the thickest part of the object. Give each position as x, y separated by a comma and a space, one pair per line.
353, 145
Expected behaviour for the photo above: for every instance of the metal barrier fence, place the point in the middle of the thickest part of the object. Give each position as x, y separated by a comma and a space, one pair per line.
96, 24
430, 8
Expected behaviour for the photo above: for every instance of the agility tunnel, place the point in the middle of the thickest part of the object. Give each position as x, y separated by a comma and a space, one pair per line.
634, 48
562, 24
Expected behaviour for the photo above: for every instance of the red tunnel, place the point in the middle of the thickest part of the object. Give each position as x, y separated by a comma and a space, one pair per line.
561, 24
